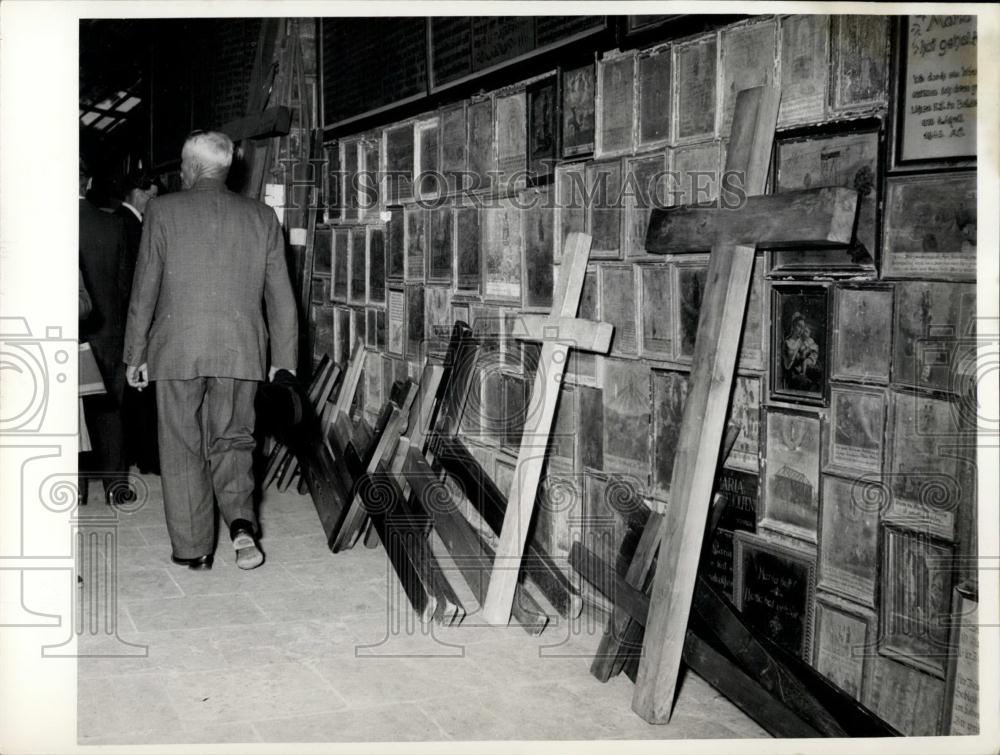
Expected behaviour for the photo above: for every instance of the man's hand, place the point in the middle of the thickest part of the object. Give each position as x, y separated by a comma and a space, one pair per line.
275, 370
137, 377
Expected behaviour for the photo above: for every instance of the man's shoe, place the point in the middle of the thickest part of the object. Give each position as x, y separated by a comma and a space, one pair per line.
201, 563
248, 554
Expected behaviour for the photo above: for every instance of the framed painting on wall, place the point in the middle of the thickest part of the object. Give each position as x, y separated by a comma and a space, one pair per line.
578, 114
799, 339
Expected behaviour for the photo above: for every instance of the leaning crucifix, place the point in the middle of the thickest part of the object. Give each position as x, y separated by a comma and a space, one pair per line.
558, 332
818, 217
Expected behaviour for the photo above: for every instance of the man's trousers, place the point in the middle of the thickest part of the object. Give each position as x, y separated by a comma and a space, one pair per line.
206, 446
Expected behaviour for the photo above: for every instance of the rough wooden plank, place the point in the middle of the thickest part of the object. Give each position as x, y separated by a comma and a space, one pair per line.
584, 335
816, 218
275, 121
719, 328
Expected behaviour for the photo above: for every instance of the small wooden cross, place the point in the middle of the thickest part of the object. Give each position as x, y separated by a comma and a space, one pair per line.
824, 218
558, 332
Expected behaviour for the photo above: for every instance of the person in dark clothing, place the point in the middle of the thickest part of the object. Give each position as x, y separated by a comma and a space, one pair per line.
138, 408
102, 254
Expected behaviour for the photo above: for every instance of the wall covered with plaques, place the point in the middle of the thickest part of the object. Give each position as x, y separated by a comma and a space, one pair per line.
851, 485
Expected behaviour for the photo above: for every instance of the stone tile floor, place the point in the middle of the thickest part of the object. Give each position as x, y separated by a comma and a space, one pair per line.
317, 647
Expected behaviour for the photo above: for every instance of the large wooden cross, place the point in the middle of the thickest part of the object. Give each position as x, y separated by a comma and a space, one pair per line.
558, 332
825, 217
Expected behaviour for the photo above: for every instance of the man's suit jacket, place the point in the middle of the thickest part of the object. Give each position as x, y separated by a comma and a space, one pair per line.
207, 259
102, 253
133, 235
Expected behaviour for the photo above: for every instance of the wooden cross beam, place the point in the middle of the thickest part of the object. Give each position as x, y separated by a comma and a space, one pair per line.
709, 386
538, 423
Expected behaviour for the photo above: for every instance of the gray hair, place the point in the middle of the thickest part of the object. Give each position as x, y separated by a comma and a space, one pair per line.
210, 153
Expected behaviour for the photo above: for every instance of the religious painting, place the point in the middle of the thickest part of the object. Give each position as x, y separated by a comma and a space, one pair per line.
857, 425
437, 316
341, 253
791, 479
582, 366
643, 188
748, 54
369, 193
846, 160
539, 247
745, 412
341, 335
860, 61
626, 415
543, 130
416, 243
689, 288
934, 335
396, 316
481, 163
805, 54
752, 340
503, 475
467, 250
454, 148
915, 610
373, 383
591, 421
512, 138
319, 290
516, 392
696, 63
395, 258
491, 409
695, 176
428, 154
655, 300
399, 163
380, 326
502, 250
357, 327
376, 266
571, 209
359, 277
604, 213
442, 245
322, 251
322, 317
669, 393
773, 585
459, 313
848, 542
716, 564
931, 468
654, 97
843, 643
908, 699
332, 198
862, 334
618, 292
351, 162
578, 111
371, 316
799, 365
415, 333
615, 92
930, 227
565, 428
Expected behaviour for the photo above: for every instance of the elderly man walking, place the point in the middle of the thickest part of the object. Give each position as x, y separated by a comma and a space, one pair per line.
207, 260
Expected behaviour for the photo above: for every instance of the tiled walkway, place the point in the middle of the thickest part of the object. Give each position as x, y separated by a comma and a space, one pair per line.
295, 651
